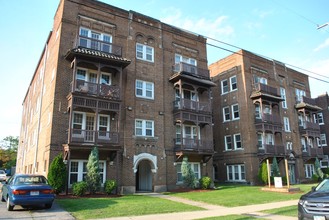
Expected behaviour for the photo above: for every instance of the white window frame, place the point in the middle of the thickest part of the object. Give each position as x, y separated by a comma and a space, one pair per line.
227, 88
260, 140
258, 113
309, 170
283, 96
144, 128
322, 141
179, 58
100, 133
269, 139
144, 52
228, 142
239, 169
233, 83
299, 94
289, 145
102, 39
235, 111
259, 79
236, 141
147, 87
193, 165
103, 81
81, 172
303, 143
225, 114
286, 124
320, 118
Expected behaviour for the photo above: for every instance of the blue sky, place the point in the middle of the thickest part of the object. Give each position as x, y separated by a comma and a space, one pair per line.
282, 30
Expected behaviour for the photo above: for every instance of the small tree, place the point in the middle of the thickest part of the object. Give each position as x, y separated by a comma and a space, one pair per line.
188, 175
262, 174
57, 174
275, 168
318, 170
93, 176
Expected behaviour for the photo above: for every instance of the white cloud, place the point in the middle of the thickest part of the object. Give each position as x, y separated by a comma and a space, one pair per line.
323, 45
214, 28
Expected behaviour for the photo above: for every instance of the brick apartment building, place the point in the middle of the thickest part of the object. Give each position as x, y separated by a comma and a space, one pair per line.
134, 87
262, 110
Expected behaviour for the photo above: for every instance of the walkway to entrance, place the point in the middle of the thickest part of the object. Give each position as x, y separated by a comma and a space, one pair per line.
213, 210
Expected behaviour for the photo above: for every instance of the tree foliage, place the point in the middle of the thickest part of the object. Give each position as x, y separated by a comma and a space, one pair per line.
262, 174
275, 168
57, 174
8, 152
93, 177
188, 175
318, 170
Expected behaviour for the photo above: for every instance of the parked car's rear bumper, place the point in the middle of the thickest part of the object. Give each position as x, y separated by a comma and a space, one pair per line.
30, 200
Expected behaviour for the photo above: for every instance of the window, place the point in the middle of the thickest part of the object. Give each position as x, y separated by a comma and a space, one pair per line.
236, 172
144, 128
322, 141
257, 111
103, 126
95, 40
303, 142
228, 142
178, 134
267, 109
310, 142
283, 96
286, 124
77, 123
106, 78
226, 113
260, 140
234, 85
195, 167
309, 170
269, 139
258, 79
299, 94
237, 141
179, 58
78, 171
320, 118
144, 89
235, 112
224, 84
144, 52
289, 145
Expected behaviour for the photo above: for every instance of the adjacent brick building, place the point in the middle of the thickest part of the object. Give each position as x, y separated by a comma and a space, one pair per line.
132, 86
262, 111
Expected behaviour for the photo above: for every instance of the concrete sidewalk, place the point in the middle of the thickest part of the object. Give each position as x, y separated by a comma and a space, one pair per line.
213, 210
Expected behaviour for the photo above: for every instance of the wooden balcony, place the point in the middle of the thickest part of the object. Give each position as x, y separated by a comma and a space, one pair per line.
92, 103
102, 90
103, 46
191, 69
193, 145
266, 92
79, 136
187, 104
310, 129
275, 150
268, 122
306, 103
313, 152
197, 118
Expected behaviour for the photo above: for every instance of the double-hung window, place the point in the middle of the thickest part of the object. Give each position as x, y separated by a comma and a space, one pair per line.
225, 87
320, 118
299, 94
237, 141
103, 126
260, 140
144, 89
286, 124
144, 128
309, 170
78, 171
95, 40
226, 113
322, 141
236, 172
228, 142
269, 139
283, 96
144, 52
234, 85
235, 112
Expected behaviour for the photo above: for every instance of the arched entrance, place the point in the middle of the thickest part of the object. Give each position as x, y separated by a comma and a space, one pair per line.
144, 176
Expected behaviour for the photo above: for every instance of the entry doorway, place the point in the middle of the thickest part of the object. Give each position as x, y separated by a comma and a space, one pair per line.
292, 175
144, 176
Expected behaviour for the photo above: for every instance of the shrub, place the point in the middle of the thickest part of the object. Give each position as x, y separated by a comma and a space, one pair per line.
262, 174
205, 182
109, 186
93, 177
188, 175
57, 174
79, 188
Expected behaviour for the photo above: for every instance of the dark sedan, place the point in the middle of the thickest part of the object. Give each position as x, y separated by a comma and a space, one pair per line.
315, 204
27, 190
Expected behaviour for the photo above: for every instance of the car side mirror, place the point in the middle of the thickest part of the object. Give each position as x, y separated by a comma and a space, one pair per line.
313, 188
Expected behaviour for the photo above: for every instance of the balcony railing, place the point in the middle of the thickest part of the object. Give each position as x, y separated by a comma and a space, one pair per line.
305, 100
260, 87
194, 145
107, 91
312, 152
192, 105
191, 69
103, 46
271, 149
268, 118
92, 136
310, 129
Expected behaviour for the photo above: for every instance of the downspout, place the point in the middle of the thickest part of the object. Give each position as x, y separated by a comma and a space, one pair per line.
39, 117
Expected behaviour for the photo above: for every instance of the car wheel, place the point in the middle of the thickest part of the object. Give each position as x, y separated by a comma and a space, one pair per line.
9, 206
2, 199
48, 205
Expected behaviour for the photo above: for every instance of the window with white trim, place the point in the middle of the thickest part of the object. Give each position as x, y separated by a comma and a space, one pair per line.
179, 58
228, 142
233, 82
299, 94
236, 172
289, 145
303, 143
103, 126
322, 141
269, 139
235, 112
95, 40
144, 52
144, 128
226, 113
309, 170
258, 79
225, 88
258, 114
283, 96
195, 167
144, 89
237, 141
320, 119
78, 171
260, 140
286, 124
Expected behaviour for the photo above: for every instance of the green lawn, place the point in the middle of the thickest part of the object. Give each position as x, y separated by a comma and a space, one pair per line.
287, 211
87, 208
238, 195
233, 217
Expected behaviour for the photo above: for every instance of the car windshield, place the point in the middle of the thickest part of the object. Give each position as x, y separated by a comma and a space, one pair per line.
30, 180
323, 186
